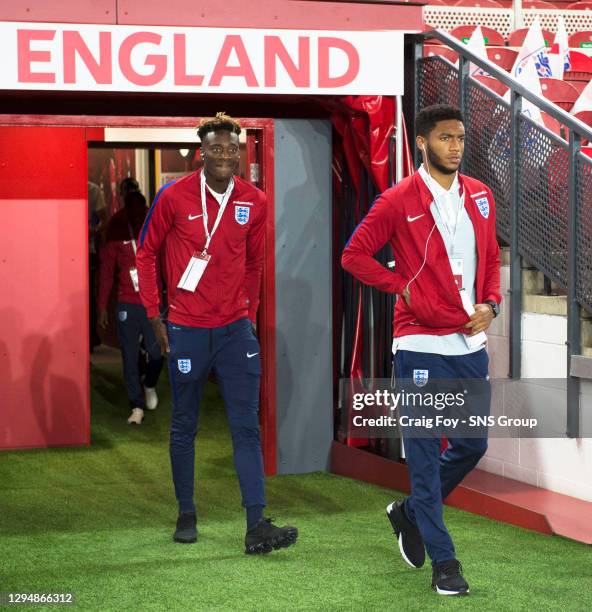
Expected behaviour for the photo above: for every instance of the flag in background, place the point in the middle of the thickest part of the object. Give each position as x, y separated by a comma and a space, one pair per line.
529, 78
533, 48
559, 53
584, 101
476, 44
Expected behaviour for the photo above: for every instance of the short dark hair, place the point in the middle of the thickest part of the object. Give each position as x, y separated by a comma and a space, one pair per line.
130, 184
220, 122
427, 117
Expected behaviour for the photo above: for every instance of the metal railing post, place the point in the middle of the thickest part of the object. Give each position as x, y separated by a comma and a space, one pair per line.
417, 56
515, 259
463, 75
573, 308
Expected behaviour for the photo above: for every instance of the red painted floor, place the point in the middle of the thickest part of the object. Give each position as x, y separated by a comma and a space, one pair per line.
495, 497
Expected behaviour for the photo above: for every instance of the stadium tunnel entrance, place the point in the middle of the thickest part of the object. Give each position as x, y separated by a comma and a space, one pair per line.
304, 145
296, 161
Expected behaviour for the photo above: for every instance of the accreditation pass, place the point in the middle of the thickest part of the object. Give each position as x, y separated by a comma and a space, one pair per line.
194, 271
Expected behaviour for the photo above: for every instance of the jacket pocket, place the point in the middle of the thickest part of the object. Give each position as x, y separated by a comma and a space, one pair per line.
433, 311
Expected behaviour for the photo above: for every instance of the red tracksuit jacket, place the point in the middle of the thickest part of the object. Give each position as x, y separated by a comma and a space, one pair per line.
118, 252
229, 288
401, 216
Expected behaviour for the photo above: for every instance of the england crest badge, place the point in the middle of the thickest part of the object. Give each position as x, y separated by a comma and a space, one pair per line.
483, 206
122, 315
241, 214
420, 377
184, 365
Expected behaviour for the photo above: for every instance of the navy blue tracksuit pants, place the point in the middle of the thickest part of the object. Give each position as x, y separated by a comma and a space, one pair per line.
132, 322
434, 475
231, 352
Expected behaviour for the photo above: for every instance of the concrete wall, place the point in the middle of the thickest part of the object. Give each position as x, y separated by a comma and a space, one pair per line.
561, 465
304, 360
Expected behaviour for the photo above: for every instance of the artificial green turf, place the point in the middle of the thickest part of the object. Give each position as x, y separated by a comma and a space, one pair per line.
98, 522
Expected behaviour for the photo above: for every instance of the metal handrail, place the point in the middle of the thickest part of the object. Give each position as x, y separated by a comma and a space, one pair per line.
577, 365
506, 78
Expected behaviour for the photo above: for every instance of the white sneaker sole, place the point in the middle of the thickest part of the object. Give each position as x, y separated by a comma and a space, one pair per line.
151, 405
441, 592
400, 539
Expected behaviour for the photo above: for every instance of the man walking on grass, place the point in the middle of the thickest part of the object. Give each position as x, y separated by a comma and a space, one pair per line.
441, 227
210, 226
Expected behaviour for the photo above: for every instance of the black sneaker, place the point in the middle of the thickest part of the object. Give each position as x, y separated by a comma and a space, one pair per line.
186, 532
447, 578
408, 536
264, 537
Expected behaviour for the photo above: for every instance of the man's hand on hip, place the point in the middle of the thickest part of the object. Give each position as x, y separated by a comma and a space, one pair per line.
481, 319
162, 337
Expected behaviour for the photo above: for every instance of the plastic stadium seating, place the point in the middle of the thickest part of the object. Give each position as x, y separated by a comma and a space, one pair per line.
580, 6
581, 67
585, 117
516, 38
552, 124
560, 92
579, 85
502, 57
548, 6
492, 37
581, 39
442, 51
493, 84
479, 3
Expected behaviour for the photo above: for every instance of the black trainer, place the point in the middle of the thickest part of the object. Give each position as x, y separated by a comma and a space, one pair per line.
408, 536
265, 537
447, 578
186, 532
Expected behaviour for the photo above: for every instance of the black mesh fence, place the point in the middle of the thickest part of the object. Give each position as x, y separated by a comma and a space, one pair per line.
584, 231
543, 199
543, 175
487, 149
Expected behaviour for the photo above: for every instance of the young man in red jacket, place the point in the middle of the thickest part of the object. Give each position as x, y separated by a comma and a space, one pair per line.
210, 226
118, 257
441, 227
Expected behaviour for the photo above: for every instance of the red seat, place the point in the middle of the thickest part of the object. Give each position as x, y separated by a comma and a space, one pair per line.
579, 85
516, 38
538, 4
585, 117
581, 67
502, 57
431, 41
480, 3
580, 6
441, 51
552, 124
560, 92
493, 84
581, 39
492, 37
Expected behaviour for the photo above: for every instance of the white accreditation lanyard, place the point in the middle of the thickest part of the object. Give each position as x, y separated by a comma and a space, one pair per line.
199, 261
447, 215
133, 271
450, 221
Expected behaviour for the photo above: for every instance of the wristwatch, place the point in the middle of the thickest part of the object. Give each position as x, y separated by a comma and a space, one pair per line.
494, 307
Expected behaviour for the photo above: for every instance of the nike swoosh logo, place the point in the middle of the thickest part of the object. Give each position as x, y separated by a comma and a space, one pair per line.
411, 219
126, 241
249, 355
193, 217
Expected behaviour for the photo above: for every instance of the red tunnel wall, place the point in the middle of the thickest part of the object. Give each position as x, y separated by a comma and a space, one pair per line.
44, 371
